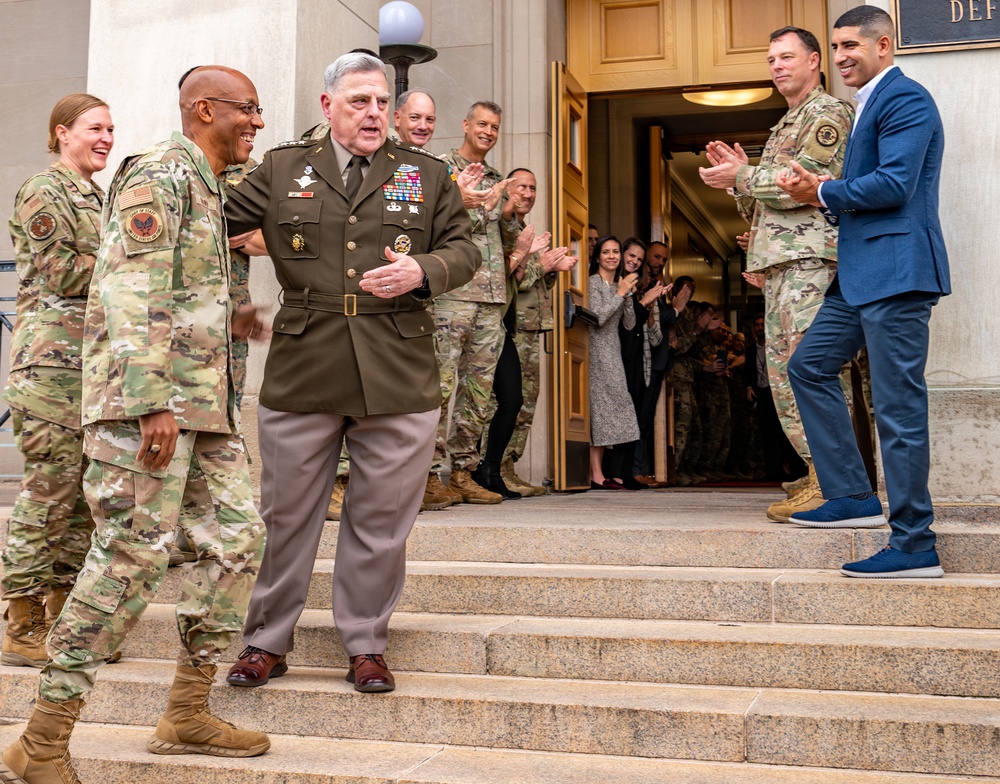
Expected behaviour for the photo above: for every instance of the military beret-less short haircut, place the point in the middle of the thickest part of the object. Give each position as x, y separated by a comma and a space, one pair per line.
872, 22
487, 105
402, 98
808, 40
352, 62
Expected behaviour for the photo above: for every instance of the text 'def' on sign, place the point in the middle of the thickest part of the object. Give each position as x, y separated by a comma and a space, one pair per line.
943, 25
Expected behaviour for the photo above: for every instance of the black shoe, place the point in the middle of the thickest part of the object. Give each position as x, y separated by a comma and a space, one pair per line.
487, 474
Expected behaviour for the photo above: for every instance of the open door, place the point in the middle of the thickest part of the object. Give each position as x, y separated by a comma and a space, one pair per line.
659, 231
570, 391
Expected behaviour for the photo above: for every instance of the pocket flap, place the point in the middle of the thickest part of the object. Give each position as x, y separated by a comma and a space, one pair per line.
298, 211
98, 590
290, 321
33, 513
882, 227
414, 323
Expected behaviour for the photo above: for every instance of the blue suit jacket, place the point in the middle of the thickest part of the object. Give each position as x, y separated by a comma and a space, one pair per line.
890, 238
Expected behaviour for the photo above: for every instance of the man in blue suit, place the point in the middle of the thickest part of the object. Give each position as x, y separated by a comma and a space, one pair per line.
893, 268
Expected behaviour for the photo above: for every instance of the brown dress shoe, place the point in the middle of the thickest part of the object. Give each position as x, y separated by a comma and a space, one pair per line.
256, 667
370, 673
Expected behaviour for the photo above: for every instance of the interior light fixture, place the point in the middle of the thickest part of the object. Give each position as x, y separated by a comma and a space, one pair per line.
729, 97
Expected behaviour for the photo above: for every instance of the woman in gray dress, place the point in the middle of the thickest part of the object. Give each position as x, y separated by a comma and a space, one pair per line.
612, 415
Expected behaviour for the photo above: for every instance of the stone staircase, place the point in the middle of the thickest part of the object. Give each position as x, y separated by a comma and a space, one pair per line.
659, 637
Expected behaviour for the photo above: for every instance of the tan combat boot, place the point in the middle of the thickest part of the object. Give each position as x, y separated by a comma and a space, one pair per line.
437, 496
463, 484
436, 487
24, 642
336, 499
807, 499
794, 487
514, 482
41, 754
188, 727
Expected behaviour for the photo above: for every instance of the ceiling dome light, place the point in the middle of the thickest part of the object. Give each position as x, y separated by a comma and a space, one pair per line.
729, 97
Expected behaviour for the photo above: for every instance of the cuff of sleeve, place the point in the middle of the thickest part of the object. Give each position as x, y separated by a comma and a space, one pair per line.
819, 195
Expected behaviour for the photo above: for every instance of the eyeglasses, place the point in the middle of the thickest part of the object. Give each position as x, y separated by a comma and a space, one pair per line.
249, 107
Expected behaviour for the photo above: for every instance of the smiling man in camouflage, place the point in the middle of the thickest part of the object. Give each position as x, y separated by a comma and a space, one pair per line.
158, 399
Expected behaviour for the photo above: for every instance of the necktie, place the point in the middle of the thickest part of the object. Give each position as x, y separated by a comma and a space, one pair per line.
354, 176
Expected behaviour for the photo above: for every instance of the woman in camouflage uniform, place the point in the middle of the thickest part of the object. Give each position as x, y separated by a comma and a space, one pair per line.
55, 229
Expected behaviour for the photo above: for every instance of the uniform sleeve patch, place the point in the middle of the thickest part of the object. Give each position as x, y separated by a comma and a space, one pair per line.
42, 226
827, 135
132, 198
143, 225
30, 207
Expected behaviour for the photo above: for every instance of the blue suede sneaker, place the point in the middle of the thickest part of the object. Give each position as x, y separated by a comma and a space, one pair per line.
895, 563
844, 512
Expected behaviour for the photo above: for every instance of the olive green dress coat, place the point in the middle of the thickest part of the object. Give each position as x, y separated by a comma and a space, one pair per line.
337, 349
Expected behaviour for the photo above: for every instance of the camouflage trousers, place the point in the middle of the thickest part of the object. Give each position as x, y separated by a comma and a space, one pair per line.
528, 352
468, 339
49, 531
793, 292
684, 413
715, 424
136, 512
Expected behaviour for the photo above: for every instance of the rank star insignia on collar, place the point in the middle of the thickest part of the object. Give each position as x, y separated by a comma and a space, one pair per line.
305, 181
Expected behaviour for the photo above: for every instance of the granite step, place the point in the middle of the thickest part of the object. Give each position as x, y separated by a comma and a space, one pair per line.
893, 733
734, 540
677, 593
872, 659
116, 754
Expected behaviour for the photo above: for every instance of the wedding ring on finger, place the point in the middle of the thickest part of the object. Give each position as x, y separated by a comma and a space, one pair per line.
388, 289
155, 448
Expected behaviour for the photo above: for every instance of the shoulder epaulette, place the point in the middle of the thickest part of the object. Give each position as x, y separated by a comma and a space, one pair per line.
421, 150
294, 143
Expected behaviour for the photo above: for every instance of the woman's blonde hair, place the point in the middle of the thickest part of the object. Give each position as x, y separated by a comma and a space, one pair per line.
66, 111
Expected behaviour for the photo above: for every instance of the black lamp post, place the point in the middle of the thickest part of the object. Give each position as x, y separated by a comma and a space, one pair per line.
400, 27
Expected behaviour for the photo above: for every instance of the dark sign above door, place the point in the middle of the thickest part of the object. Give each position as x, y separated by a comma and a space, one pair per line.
943, 25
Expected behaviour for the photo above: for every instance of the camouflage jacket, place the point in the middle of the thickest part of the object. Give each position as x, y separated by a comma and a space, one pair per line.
687, 352
494, 237
534, 298
815, 135
55, 228
158, 333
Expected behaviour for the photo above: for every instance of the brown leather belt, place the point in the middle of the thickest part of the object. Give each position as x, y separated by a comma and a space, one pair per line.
346, 304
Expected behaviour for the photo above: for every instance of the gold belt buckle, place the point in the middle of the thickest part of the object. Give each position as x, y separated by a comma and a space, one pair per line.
350, 304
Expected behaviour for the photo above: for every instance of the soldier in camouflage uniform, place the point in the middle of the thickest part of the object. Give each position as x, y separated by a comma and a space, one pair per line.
535, 279
55, 229
157, 397
791, 244
469, 329
690, 338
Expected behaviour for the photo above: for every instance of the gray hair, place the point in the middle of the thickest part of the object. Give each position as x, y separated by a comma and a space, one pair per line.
402, 98
352, 62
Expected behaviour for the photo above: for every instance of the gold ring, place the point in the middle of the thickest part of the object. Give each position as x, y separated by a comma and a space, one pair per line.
155, 448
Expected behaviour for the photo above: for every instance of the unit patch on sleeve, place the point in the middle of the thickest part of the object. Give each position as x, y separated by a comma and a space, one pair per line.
41, 226
143, 225
827, 135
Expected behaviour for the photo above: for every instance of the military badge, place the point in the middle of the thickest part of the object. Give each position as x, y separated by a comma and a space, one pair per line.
393, 207
42, 226
143, 225
308, 169
298, 243
827, 135
300, 194
402, 244
414, 209
405, 185
305, 181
